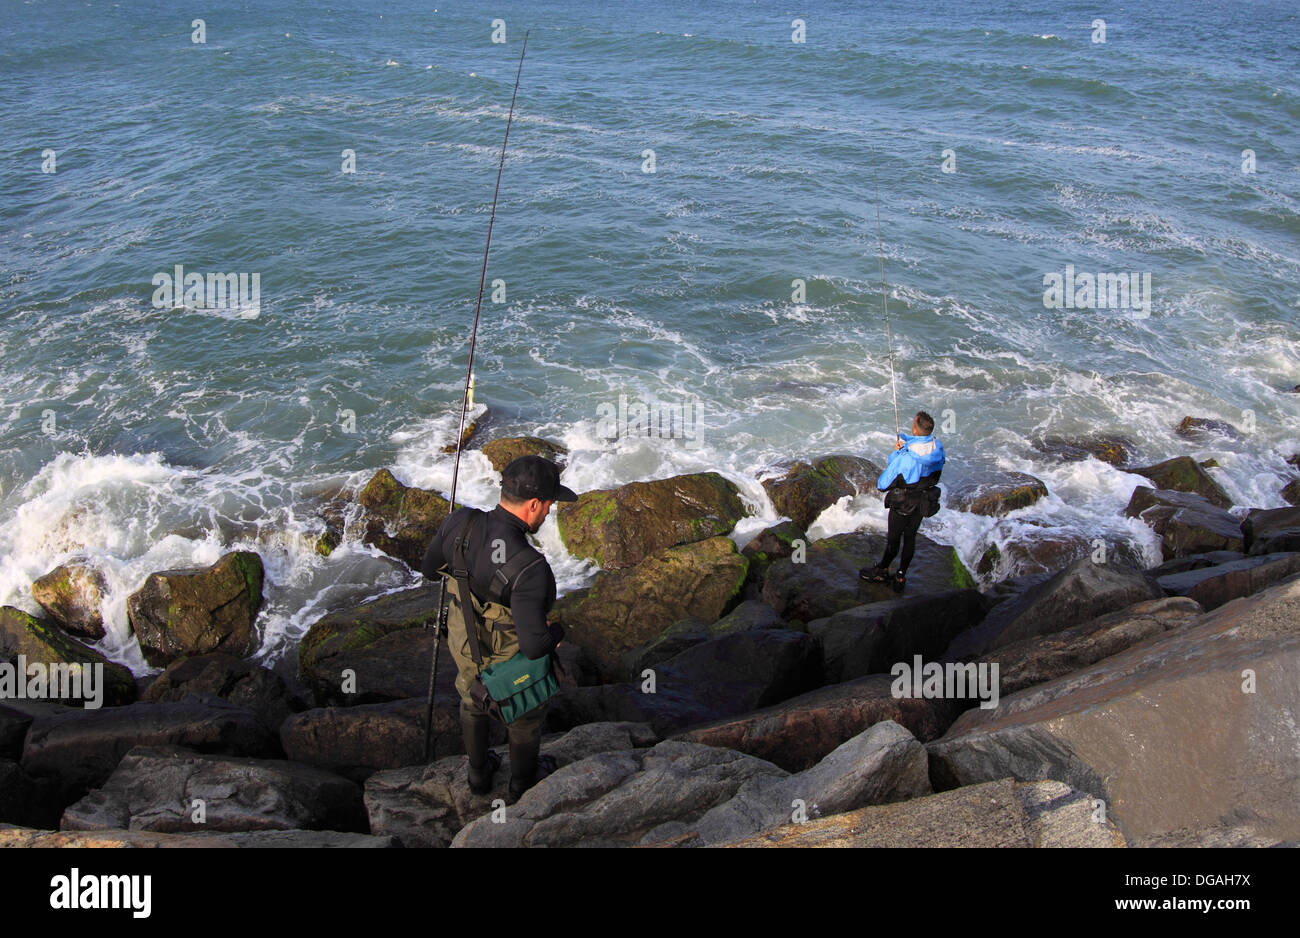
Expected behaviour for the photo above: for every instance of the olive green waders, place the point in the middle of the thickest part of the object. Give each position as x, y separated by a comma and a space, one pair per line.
497, 642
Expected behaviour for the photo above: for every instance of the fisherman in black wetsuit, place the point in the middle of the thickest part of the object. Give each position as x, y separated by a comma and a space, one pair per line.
512, 590
909, 482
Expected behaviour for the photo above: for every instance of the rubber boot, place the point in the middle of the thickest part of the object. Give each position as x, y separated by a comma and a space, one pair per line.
523, 768
474, 730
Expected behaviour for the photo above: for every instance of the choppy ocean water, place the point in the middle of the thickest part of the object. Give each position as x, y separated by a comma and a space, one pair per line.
149, 437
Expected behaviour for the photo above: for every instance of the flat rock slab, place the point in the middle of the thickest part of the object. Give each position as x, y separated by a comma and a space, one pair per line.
357, 741
883, 764
870, 638
425, 806
1192, 730
798, 733
18, 837
1214, 586
827, 582
1082, 591
1047, 657
1001, 813
616, 798
81, 748
171, 790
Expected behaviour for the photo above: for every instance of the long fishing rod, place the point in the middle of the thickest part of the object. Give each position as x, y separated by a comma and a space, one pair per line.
884, 296
464, 401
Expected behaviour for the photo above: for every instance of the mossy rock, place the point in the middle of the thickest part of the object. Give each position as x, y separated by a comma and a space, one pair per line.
1112, 450
344, 638
193, 611
72, 594
627, 608
1185, 474
620, 527
502, 451
768, 546
1200, 427
471, 427
41, 641
809, 488
400, 520
826, 582
1018, 490
1291, 492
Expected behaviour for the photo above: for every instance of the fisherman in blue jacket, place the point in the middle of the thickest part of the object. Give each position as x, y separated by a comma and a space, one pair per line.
910, 483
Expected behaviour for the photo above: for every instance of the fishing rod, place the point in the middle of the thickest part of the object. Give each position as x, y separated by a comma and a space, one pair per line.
884, 296
441, 617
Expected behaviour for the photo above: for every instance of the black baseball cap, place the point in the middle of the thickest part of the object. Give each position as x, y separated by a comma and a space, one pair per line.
534, 477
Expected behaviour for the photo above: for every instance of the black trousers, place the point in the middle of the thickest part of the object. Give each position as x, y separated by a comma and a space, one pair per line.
901, 528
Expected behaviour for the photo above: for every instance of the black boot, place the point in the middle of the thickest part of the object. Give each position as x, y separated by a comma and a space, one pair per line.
523, 768
482, 762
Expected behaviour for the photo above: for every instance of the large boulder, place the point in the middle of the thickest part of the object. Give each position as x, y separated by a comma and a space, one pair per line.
616, 798
399, 519
1214, 586
1220, 695
623, 609
1291, 492
376, 651
171, 790
994, 499
749, 615
806, 489
1185, 474
869, 639
81, 748
827, 579
193, 611
1186, 522
797, 733
73, 596
504, 450
1082, 591
882, 764
357, 741
1044, 658
995, 814
35, 642
425, 806
620, 527
1271, 530
240, 682
733, 674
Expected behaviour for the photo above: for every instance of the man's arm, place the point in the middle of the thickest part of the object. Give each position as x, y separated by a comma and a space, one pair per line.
529, 598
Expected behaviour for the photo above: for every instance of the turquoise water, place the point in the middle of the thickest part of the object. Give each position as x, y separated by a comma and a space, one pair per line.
148, 437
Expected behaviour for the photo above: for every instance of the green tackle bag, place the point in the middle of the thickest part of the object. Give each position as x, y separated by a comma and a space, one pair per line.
520, 684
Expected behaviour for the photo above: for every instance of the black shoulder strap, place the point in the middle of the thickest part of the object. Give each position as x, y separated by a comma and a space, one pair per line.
506, 575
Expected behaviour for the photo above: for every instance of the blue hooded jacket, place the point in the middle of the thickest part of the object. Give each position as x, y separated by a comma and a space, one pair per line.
920, 456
